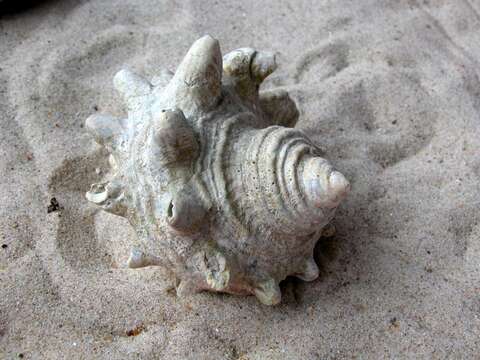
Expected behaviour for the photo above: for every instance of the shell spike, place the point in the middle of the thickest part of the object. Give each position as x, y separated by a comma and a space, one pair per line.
246, 68
105, 129
162, 78
110, 196
196, 85
263, 64
214, 269
175, 139
134, 88
309, 272
187, 287
268, 292
139, 259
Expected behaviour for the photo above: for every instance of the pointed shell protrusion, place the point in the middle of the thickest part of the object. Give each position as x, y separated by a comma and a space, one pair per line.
186, 211
246, 68
268, 292
263, 64
196, 85
97, 194
105, 129
309, 272
133, 87
162, 79
139, 259
248, 63
109, 195
213, 266
211, 272
187, 287
175, 138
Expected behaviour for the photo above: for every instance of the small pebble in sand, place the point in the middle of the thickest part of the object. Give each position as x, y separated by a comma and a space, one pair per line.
135, 331
54, 206
394, 323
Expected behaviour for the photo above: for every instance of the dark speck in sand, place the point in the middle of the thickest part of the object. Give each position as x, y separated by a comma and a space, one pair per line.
54, 206
135, 331
394, 323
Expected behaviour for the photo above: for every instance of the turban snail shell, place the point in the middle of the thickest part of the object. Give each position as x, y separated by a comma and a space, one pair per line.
216, 186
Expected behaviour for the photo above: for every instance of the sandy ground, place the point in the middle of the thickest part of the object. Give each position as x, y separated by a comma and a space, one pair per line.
389, 89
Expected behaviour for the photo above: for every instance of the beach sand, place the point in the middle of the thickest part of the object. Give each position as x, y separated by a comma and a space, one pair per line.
390, 90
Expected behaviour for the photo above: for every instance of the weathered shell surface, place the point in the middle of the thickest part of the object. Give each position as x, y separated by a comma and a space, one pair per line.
217, 189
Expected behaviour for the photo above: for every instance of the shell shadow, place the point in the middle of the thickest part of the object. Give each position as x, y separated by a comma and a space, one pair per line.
326, 252
76, 238
339, 256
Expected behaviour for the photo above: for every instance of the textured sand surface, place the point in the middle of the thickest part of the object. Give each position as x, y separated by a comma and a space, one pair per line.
389, 89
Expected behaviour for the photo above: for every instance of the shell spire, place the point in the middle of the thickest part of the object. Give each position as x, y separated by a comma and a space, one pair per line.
197, 83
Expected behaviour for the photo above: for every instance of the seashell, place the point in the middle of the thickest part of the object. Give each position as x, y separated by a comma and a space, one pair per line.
218, 186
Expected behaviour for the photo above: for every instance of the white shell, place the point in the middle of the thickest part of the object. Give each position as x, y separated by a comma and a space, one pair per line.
216, 188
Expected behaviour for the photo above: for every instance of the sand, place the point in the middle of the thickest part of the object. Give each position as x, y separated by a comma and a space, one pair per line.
389, 89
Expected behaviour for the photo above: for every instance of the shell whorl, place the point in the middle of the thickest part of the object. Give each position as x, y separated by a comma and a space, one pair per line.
281, 191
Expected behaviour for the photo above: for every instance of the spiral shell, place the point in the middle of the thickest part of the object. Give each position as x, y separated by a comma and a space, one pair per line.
218, 186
